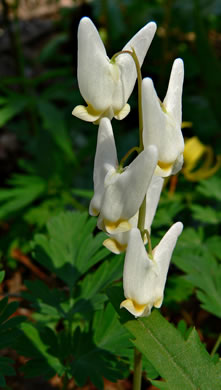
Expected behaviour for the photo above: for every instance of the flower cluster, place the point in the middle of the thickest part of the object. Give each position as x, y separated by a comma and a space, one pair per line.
126, 197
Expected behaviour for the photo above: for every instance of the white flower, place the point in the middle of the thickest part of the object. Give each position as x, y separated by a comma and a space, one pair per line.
162, 121
118, 194
104, 84
144, 278
117, 243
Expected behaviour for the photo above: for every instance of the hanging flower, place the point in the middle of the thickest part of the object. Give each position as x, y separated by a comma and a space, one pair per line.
105, 84
162, 121
118, 192
144, 278
117, 243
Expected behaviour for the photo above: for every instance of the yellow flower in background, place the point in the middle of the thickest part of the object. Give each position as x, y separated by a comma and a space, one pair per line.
199, 160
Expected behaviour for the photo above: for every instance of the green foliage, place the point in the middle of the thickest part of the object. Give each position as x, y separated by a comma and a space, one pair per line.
89, 348
210, 188
11, 105
71, 248
24, 190
9, 333
183, 364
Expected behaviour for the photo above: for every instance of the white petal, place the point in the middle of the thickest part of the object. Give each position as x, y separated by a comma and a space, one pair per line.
94, 69
152, 199
123, 197
173, 99
84, 113
153, 117
136, 266
105, 161
162, 253
128, 75
140, 278
160, 129
119, 115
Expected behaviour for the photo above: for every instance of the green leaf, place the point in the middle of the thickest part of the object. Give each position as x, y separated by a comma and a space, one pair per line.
206, 214
213, 244
46, 300
35, 345
92, 362
167, 211
2, 275
70, 249
13, 105
25, 189
54, 122
109, 334
182, 364
6, 369
203, 272
87, 194
178, 289
210, 188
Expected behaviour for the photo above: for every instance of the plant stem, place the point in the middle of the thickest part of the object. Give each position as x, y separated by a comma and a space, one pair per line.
150, 251
134, 149
216, 346
137, 369
141, 217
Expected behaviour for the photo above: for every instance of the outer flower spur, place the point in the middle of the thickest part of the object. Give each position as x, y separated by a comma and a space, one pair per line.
118, 193
104, 84
144, 278
162, 121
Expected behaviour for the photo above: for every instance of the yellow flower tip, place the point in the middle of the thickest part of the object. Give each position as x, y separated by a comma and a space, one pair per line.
94, 212
119, 115
114, 246
165, 166
158, 302
186, 125
119, 226
135, 308
163, 107
88, 114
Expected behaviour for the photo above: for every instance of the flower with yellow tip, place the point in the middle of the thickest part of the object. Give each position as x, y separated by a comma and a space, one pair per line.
162, 121
117, 243
118, 192
105, 84
144, 277
194, 153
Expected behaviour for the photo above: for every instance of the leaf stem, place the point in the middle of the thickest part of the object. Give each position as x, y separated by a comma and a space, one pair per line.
137, 369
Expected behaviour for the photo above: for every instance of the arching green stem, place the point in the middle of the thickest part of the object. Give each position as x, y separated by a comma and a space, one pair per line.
150, 251
132, 150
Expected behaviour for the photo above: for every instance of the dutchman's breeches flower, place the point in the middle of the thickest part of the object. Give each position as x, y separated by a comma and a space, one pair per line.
117, 243
144, 278
162, 121
118, 192
105, 84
